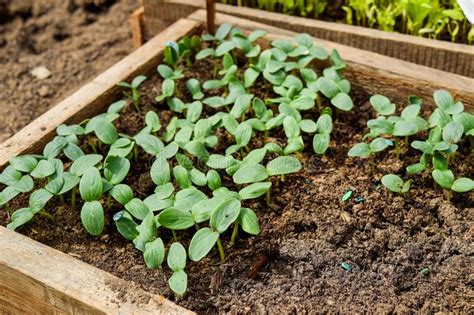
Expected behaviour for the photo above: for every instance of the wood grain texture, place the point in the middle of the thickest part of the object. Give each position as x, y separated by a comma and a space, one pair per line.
36, 279
94, 97
451, 57
136, 25
375, 73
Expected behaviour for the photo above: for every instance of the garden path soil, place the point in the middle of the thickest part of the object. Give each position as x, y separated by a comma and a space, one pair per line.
75, 39
294, 265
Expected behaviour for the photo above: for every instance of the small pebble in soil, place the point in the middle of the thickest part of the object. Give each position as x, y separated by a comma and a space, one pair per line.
41, 72
346, 266
347, 195
360, 199
425, 272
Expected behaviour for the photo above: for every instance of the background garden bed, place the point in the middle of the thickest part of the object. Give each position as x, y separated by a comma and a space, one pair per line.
456, 58
375, 75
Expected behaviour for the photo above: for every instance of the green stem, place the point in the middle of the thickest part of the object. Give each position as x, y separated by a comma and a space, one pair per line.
47, 215
372, 163
397, 149
221, 250
73, 197
61, 198
197, 226
92, 145
175, 237
135, 97
109, 201
282, 177
268, 197
235, 233
135, 152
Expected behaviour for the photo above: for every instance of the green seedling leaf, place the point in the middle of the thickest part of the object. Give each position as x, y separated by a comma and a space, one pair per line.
327, 87
321, 143
92, 217
146, 232
416, 168
126, 225
382, 105
393, 182
283, 165
380, 144
154, 253
250, 174
248, 220
43, 169
291, 127
197, 177
137, 208
182, 176
342, 101
149, 143
225, 214
73, 151
153, 121
178, 282
116, 169
116, 107
105, 131
90, 185
462, 185
202, 243
122, 193
24, 163
177, 257
360, 150
160, 171
176, 219
20, 217
213, 180
10, 176
254, 190
443, 178
223, 31
452, 132
85, 162
25, 184
197, 149
8, 194
154, 203
404, 128
38, 199
347, 195
54, 148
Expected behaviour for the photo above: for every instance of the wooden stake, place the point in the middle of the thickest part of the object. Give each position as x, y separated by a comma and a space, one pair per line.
211, 16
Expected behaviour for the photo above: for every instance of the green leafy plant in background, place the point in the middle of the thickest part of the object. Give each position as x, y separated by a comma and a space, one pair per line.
428, 18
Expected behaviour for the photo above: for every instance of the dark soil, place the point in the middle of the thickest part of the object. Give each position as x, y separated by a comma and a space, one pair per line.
75, 39
295, 264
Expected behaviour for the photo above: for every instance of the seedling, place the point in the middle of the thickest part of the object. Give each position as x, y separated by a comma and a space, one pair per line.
395, 184
133, 86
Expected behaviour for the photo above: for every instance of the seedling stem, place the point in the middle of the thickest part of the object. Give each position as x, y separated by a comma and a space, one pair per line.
221, 250
235, 233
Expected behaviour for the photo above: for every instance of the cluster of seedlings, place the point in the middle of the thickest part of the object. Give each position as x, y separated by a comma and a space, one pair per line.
437, 139
93, 159
257, 93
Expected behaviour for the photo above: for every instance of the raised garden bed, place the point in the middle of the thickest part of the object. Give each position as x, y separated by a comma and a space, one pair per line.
452, 57
295, 264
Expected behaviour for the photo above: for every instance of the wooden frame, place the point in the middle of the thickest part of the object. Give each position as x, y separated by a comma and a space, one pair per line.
28, 284
446, 56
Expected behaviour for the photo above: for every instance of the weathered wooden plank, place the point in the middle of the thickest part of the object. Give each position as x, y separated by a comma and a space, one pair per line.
375, 73
93, 97
452, 57
36, 279
136, 21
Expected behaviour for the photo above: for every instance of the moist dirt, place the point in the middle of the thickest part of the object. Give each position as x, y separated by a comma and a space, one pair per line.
74, 39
